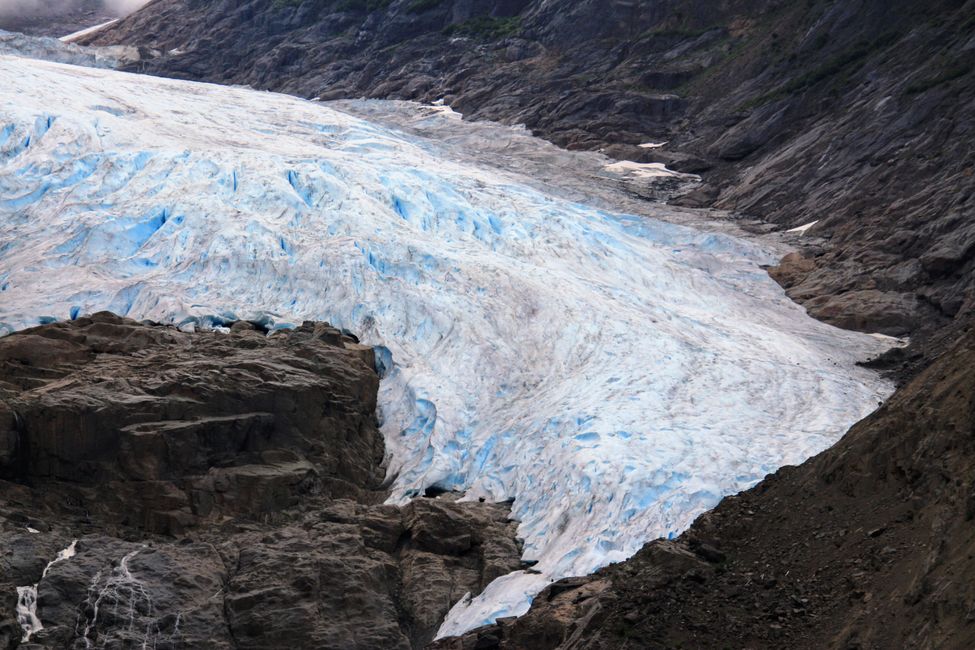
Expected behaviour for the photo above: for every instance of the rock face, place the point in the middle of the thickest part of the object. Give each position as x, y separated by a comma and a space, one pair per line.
224, 490
857, 116
868, 545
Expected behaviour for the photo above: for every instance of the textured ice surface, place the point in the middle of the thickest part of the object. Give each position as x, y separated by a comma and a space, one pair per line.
615, 375
53, 49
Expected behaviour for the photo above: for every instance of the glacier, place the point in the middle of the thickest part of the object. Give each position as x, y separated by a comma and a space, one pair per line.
613, 374
53, 49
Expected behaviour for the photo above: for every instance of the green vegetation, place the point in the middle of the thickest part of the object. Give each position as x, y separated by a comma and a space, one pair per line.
341, 5
419, 6
968, 25
838, 67
486, 27
835, 65
951, 73
362, 5
821, 41
677, 32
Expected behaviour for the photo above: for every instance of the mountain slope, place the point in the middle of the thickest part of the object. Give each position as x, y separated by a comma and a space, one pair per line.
855, 115
868, 545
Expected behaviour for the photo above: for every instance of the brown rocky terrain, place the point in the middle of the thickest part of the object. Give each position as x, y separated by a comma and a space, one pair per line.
224, 491
856, 115
869, 545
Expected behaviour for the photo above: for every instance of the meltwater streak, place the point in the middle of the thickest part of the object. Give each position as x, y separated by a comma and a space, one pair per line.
27, 617
615, 375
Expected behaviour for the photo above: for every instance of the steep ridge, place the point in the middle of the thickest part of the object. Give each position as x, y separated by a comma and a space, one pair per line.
868, 545
854, 115
216, 490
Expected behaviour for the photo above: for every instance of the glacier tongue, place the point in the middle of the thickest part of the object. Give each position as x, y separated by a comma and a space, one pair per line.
615, 375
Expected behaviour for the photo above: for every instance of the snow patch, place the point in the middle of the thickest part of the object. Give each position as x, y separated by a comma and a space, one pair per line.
892, 341
74, 36
644, 170
441, 108
803, 229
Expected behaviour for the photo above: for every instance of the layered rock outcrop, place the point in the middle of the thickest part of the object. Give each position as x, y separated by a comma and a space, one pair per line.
225, 491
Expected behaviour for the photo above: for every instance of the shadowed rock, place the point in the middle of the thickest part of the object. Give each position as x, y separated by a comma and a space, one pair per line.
225, 492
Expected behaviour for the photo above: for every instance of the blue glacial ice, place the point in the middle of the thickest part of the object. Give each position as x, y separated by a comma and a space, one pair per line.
52, 49
615, 375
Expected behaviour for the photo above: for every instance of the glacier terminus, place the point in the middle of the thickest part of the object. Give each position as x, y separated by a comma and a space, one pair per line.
615, 375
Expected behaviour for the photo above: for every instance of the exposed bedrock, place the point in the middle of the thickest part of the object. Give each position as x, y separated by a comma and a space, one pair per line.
224, 490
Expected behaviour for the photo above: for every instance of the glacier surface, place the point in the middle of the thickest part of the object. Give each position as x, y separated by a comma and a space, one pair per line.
615, 375
52, 49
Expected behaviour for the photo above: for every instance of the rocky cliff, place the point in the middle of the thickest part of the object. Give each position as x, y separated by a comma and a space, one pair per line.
853, 115
868, 545
216, 490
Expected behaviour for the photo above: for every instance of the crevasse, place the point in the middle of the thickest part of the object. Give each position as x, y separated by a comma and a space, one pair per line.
614, 375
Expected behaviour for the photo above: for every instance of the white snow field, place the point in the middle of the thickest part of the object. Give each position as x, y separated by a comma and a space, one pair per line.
614, 375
